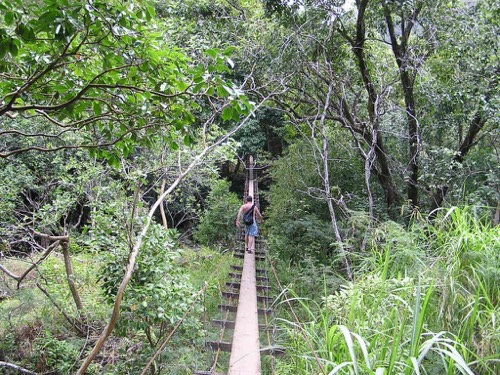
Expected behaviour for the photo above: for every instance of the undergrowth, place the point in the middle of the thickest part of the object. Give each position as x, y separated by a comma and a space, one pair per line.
424, 301
36, 336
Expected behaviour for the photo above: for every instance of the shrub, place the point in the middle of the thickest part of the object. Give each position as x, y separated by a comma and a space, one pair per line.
160, 290
217, 224
53, 353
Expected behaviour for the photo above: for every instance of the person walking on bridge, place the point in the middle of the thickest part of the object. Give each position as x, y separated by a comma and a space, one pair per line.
248, 213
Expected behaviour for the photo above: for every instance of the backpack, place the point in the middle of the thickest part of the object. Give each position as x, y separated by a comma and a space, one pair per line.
248, 216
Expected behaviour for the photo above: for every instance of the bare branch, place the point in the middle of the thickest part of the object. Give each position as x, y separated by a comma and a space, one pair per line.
34, 265
17, 368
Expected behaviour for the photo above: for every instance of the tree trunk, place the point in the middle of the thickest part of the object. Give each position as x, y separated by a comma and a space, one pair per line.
400, 51
413, 141
69, 275
325, 154
385, 178
475, 127
384, 174
162, 209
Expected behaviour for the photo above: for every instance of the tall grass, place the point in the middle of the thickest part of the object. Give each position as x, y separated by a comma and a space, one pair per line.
425, 302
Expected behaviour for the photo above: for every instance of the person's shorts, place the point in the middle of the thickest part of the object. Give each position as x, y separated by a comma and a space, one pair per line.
252, 230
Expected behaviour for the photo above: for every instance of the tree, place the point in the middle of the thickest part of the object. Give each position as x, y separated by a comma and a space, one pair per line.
461, 105
101, 71
380, 55
102, 76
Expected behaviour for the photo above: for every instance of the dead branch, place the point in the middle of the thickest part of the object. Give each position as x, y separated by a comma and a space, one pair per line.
16, 367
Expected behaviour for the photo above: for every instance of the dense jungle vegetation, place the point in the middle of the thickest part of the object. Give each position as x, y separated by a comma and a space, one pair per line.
124, 126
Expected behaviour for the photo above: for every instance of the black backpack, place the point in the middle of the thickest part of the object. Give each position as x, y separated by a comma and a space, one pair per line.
248, 216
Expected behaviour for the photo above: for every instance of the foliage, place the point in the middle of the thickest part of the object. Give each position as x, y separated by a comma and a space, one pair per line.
56, 354
159, 292
423, 300
263, 133
37, 336
146, 87
28, 321
252, 139
217, 224
376, 58
373, 326
460, 83
55, 191
298, 215
69, 63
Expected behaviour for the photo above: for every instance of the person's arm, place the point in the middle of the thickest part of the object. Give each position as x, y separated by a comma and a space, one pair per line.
257, 212
238, 223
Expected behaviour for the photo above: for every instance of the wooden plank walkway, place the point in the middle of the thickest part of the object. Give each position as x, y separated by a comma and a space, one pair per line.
245, 349
245, 346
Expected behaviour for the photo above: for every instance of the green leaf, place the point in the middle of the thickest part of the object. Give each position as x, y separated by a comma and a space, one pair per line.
97, 107
197, 88
150, 12
4, 47
9, 18
223, 92
13, 48
229, 50
182, 86
188, 140
212, 53
198, 79
227, 113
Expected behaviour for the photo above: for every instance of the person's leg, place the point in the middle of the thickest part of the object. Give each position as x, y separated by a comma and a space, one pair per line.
251, 244
246, 242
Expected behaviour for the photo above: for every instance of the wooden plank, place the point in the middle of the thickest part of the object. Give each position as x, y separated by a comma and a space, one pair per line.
236, 296
275, 350
257, 257
229, 324
227, 347
231, 295
219, 345
258, 252
240, 268
265, 299
258, 278
228, 307
231, 308
234, 285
